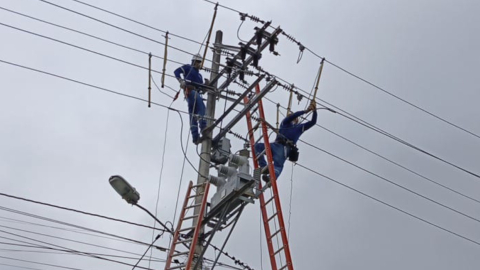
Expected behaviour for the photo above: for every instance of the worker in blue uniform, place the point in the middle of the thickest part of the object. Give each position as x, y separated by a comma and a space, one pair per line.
190, 83
287, 137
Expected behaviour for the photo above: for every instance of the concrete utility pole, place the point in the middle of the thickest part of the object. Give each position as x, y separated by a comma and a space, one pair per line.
204, 167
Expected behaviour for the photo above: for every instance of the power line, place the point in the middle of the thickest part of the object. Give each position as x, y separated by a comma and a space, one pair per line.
390, 181
69, 240
74, 226
77, 211
391, 206
376, 129
370, 83
137, 22
70, 230
59, 252
71, 250
91, 85
114, 26
84, 49
366, 124
389, 160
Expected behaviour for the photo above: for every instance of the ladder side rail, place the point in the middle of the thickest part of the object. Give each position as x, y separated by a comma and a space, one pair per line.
198, 226
179, 226
273, 181
261, 197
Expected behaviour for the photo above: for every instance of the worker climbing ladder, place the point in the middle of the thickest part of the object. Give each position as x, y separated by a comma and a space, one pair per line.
281, 255
183, 236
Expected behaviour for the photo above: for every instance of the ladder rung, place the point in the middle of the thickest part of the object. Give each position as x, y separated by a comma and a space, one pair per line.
198, 185
184, 241
261, 153
190, 217
192, 206
186, 229
180, 254
270, 218
176, 267
285, 266
277, 232
276, 252
196, 195
269, 200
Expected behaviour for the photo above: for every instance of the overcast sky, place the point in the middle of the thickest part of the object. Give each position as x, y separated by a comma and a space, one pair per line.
61, 141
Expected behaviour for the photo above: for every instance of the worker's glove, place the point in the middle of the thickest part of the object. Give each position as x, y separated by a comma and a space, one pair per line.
182, 83
207, 82
312, 106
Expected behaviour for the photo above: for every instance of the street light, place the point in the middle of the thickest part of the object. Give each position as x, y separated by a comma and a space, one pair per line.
124, 189
131, 195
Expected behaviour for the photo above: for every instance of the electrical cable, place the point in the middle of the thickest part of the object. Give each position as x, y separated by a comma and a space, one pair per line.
137, 22
84, 49
391, 182
290, 203
75, 226
114, 26
67, 239
159, 183
375, 86
75, 210
403, 100
67, 230
60, 251
39, 263
85, 34
387, 134
389, 160
70, 250
139, 260
391, 206
91, 85
376, 129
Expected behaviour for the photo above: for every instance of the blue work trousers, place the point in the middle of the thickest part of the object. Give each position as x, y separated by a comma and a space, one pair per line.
279, 153
196, 110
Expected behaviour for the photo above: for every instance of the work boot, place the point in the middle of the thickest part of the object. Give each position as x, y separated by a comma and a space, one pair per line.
266, 178
265, 170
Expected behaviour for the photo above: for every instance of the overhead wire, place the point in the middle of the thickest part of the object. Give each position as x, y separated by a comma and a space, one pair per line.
68, 240
80, 231
370, 126
114, 26
91, 85
391, 206
389, 181
75, 210
74, 226
70, 250
86, 34
376, 86
376, 129
389, 160
60, 251
138, 22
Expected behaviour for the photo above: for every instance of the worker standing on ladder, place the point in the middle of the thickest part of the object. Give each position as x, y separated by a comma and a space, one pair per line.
285, 143
192, 80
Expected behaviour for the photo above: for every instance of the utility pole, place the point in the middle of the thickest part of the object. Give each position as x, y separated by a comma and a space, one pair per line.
204, 166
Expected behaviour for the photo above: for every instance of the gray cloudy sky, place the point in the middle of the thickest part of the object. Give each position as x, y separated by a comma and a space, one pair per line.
61, 141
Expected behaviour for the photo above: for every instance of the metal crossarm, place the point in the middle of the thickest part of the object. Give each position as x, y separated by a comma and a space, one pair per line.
270, 220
